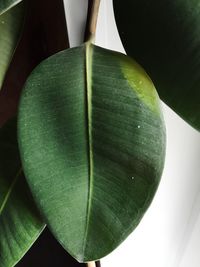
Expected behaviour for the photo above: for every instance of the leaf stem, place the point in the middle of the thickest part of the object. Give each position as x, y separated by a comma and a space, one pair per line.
93, 11
91, 264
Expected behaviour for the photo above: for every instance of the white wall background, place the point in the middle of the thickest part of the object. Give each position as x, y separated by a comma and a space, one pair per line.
169, 234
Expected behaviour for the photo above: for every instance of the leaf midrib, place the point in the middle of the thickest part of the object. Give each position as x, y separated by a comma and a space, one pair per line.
88, 76
10, 190
4, 10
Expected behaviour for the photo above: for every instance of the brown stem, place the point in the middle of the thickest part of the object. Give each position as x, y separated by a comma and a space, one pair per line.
98, 264
93, 11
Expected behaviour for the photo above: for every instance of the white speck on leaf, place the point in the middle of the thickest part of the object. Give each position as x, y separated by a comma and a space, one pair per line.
139, 126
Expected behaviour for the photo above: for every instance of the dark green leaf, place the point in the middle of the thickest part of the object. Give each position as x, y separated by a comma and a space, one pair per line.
10, 29
164, 37
20, 224
92, 143
5, 5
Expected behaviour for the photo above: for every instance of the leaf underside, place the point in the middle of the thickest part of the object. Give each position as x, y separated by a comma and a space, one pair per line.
20, 223
167, 45
11, 23
92, 143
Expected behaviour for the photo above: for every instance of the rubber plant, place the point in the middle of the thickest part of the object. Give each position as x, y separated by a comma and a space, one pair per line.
91, 133
85, 119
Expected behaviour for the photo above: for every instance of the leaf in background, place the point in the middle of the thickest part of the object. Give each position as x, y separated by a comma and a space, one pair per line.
36, 44
20, 223
164, 37
92, 142
7, 4
11, 23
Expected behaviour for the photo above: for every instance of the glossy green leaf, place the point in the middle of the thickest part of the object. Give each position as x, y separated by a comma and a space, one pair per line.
5, 5
164, 37
20, 223
11, 23
92, 143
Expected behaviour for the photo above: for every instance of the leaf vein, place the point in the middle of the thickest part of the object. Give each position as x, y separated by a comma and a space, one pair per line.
7, 196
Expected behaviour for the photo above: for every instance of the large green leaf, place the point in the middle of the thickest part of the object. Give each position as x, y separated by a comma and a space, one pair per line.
20, 224
5, 5
11, 23
92, 143
164, 37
